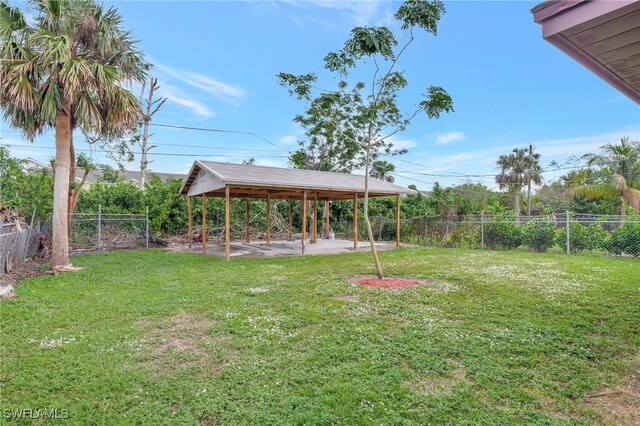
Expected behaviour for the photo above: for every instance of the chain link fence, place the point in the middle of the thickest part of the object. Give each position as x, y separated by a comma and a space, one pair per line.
567, 232
18, 244
106, 231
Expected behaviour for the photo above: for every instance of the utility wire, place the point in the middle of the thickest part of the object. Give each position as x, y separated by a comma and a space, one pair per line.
204, 129
452, 175
158, 153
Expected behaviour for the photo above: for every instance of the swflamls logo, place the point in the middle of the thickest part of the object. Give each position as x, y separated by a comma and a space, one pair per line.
35, 413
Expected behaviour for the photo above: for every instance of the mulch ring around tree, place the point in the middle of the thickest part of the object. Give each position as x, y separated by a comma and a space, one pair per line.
386, 282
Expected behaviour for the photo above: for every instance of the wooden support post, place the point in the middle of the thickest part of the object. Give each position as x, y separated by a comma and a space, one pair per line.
327, 226
227, 222
290, 220
398, 220
204, 224
247, 226
304, 220
190, 210
268, 220
355, 222
315, 219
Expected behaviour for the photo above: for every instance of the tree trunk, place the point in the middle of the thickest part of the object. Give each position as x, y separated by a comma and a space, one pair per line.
367, 222
529, 199
144, 163
73, 167
60, 244
516, 201
146, 119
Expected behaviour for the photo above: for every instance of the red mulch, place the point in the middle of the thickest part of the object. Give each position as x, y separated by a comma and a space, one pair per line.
386, 282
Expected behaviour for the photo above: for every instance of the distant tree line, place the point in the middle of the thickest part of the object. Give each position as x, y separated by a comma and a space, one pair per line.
605, 185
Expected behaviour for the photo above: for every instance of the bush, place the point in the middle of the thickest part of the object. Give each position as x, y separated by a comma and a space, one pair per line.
581, 238
539, 234
625, 240
504, 232
464, 235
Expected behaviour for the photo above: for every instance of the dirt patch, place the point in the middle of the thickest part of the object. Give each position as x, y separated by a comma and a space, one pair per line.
386, 282
620, 406
184, 341
435, 385
20, 272
353, 298
184, 332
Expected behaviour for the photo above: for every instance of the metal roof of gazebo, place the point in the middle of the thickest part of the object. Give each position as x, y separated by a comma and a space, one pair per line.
251, 181
213, 179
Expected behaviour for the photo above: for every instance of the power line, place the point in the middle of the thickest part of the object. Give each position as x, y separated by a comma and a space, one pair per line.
451, 175
205, 129
159, 153
455, 175
258, 135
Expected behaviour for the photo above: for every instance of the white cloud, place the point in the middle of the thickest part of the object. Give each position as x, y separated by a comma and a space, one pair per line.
579, 145
456, 165
272, 162
289, 140
223, 91
403, 143
615, 100
177, 96
447, 138
358, 13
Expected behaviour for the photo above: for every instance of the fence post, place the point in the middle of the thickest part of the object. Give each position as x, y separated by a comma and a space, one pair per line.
380, 229
147, 227
426, 235
99, 226
568, 237
482, 230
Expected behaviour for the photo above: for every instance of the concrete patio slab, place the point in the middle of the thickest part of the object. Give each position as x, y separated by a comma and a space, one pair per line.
279, 248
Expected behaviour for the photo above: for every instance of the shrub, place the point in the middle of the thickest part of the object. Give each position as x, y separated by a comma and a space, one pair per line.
625, 240
504, 232
539, 234
465, 235
581, 237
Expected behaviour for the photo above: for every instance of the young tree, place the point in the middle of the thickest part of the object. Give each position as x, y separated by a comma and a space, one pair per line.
141, 134
374, 115
618, 174
330, 145
75, 188
513, 171
67, 71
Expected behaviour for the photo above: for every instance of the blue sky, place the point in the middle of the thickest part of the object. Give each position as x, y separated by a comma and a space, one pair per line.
217, 61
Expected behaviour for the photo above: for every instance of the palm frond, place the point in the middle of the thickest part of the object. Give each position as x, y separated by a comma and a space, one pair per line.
632, 197
594, 192
619, 182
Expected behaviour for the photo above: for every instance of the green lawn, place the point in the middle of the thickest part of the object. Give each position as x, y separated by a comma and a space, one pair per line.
154, 337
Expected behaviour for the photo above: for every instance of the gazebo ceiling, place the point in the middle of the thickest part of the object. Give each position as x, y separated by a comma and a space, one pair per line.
602, 35
251, 181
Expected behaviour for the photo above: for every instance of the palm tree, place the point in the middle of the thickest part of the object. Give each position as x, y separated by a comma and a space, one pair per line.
68, 70
618, 174
382, 170
533, 174
513, 174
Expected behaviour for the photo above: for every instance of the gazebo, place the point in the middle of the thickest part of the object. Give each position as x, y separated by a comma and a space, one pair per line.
214, 179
